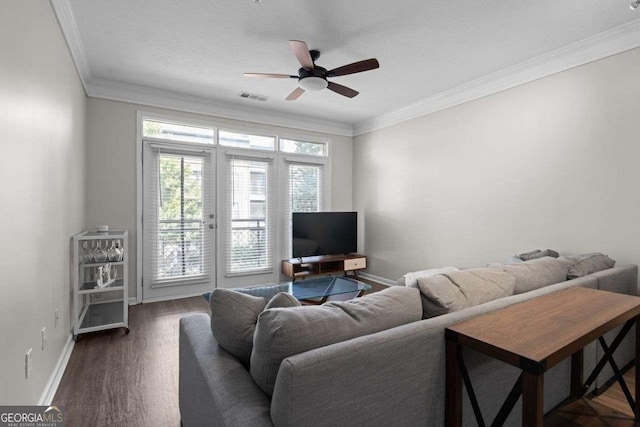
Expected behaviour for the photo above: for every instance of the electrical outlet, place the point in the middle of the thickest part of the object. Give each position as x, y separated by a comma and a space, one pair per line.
27, 364
44, 336
57, 317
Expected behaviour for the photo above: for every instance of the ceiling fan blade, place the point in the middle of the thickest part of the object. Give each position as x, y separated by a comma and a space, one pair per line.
356, 67
295, 94
276, 76
301, 51
342, 90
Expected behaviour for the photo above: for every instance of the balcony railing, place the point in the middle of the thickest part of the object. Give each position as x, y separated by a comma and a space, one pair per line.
180, 248
248, 244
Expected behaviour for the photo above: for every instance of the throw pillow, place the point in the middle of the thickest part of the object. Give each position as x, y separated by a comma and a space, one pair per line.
282, 300
461, 289
233, 321
528, 254
538, 254
537, 273
281, 333
234, 316
411, 279
583, 265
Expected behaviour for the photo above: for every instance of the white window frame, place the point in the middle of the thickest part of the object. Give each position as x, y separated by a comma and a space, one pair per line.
248, 154
300, 159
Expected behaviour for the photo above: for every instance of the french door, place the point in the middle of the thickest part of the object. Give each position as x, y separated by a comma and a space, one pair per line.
179, 223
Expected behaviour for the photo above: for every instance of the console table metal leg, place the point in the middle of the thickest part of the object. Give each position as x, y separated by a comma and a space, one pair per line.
453, 387
532, 399
577, 380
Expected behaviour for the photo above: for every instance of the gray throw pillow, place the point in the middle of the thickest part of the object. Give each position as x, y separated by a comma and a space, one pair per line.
281, 333
528, 254
282, 300
462, 289
538, 254
234, 316
233, 321
537, 273
583, 265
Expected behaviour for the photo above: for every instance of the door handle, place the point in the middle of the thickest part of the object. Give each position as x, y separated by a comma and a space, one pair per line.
212, 226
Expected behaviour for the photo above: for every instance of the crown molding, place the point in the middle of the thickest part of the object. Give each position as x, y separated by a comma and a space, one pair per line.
144, 95
67, 21
617, 40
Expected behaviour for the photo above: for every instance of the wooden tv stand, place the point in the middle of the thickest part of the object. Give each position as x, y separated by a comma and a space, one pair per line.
296, 268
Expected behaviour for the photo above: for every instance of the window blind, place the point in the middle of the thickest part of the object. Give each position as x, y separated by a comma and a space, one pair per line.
178, 201
248, 214
305, 190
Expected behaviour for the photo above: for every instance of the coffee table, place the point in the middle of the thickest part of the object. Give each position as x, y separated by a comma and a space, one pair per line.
534, 336
313, 290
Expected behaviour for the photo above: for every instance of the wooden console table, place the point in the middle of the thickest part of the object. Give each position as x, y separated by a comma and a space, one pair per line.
295, 268
534, 336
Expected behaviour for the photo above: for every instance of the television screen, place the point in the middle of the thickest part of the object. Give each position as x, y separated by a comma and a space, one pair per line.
324, 233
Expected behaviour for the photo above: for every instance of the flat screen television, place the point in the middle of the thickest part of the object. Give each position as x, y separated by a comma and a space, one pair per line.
324, 233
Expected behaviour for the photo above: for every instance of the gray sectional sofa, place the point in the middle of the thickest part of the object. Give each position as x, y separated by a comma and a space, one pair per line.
394, 377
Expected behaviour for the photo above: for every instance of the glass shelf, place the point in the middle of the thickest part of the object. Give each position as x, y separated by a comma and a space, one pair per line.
92, 287
111, 234
106, 314
98, 264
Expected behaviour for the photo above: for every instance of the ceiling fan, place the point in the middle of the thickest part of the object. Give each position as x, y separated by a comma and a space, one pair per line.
313, 77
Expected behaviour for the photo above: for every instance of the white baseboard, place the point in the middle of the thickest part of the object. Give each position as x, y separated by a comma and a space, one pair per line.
133, 301
381, 280
56, 376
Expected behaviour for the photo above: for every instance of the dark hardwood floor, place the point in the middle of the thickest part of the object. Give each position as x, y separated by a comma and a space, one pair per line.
114, 379
609, 409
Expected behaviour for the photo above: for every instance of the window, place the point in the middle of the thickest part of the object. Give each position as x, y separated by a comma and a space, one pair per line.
217, 203
305, 190
241, 140
249, 220
180, 217
178, 248
303, 147
177, 132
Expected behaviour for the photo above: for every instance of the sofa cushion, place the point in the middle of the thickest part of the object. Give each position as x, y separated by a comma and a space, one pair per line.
234, 316
283, 332
461, 289
537, 273
411, 279
585, 264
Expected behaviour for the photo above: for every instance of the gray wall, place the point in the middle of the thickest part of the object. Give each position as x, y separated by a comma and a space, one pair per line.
550, 164
111, 165
42, 137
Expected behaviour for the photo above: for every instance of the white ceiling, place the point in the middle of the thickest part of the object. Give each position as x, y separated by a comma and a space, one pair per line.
201, 48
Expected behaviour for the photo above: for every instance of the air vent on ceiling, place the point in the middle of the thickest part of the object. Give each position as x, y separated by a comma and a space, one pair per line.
253, 96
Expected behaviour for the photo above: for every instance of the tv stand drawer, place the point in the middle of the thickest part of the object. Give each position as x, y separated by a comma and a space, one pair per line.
355, 264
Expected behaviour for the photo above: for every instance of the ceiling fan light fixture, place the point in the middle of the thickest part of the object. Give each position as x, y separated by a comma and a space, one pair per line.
313, 83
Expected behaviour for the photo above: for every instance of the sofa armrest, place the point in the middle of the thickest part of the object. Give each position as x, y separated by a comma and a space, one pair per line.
214, 387
622, 279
